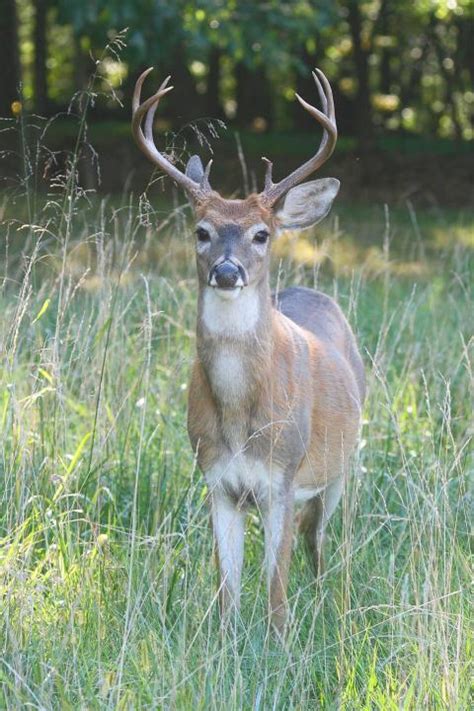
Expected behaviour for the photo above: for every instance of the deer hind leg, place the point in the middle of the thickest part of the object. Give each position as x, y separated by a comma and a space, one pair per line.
278, 524
228, 523
313, 521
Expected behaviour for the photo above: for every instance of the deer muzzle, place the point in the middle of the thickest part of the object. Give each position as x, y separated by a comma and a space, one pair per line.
228, 274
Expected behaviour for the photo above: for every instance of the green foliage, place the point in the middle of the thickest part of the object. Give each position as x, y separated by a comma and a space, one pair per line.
417, 54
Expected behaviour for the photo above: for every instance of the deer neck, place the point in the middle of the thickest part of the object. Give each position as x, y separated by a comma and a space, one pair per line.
234, 342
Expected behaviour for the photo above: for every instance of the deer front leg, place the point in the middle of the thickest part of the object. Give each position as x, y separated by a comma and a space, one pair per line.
278, 524
228, 523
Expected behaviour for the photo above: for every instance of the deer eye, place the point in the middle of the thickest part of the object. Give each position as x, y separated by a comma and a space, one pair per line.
203, 235
261, 237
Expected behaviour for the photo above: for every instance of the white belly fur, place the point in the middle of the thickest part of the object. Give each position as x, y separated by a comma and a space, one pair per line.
241, 472
303, 495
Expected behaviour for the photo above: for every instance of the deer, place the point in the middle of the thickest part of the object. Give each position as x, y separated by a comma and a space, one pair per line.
278, 385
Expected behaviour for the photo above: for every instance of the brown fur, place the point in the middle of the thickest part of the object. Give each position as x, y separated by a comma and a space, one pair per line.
301, 375
246, 212
302, 396
309, 520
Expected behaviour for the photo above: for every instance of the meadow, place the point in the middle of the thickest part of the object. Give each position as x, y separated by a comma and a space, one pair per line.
107, 575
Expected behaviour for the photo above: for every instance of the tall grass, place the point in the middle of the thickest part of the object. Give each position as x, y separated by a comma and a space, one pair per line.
108, 586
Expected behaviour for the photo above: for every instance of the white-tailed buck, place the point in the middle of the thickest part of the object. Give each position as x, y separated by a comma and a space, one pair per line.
278, 383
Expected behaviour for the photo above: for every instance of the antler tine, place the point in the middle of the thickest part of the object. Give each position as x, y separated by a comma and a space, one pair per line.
328, 95
205, 184
139, 110
324, 102
321, 93
145, 140
327, 118
316, 113
153, 102
327, 100
138, 89
268, 173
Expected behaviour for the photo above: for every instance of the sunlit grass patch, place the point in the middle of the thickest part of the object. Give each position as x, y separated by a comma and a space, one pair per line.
342, 255
462, 235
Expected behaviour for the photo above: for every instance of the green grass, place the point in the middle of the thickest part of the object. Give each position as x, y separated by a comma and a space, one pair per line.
107, 577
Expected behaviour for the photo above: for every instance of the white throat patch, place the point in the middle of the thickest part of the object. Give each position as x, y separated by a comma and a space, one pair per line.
228, 375
230, 317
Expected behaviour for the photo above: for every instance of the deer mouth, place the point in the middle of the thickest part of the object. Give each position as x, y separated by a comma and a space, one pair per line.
229, 289
228, 294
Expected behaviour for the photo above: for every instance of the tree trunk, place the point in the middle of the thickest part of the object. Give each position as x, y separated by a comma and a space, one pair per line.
183, 104
41, 52
244, 113
253, 95
363, 117
10, 75
306, 88
449, 79
410, 88
81, 76
465, 45
464, 56
385, 71
214, 108
386, 53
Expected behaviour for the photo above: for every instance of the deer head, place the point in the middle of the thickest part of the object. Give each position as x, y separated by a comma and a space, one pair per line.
233, 236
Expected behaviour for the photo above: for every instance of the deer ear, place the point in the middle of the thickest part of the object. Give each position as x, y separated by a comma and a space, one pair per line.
195, 169
307, 204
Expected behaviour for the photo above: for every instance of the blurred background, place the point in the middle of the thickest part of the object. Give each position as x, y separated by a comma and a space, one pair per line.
401, 71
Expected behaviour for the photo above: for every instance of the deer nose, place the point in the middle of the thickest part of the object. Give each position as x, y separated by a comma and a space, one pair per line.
225, 275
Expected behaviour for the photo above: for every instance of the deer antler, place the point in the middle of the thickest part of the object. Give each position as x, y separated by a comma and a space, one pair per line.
327, 118
144, 138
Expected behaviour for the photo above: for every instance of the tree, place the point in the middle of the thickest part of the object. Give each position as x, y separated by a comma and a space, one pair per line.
393, 66
41, 52
213, 99
10, 75
363, 109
